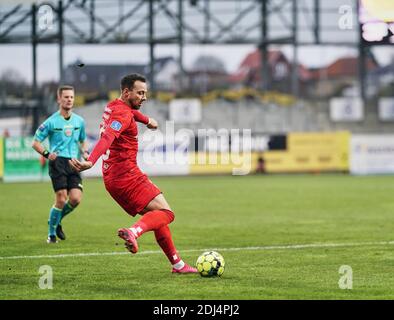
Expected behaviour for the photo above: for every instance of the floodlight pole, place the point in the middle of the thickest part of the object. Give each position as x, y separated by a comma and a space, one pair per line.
294, 73
34, 65
265, 72
316, 28
206, 21
151, 47
362, 71
61, 40
361, 59
180, 44
92, 20
34, 45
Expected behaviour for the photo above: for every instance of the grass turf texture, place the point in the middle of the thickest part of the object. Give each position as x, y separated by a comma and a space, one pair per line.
211, 212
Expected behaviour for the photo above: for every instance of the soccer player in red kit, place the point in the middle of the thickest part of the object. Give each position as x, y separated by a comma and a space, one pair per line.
123, 179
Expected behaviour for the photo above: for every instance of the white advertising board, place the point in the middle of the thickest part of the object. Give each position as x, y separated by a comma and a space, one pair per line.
372, 154
185, 110
386, 109
347, 109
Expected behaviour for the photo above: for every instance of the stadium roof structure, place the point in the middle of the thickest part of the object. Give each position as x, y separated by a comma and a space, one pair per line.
177, 22
185, 22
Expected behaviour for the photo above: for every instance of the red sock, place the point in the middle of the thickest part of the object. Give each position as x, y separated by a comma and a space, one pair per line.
152, 220
164, 239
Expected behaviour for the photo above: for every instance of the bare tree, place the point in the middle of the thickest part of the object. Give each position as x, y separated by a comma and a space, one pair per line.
12, 83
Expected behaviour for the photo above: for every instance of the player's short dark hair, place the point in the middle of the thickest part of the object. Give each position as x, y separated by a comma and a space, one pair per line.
63, 88
129, 80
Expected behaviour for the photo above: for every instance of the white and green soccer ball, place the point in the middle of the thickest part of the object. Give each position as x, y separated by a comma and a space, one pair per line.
210, 264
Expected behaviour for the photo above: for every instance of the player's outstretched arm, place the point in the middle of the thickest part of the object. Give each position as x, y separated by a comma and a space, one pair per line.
152, 124
99, 149
140, 117
80, 165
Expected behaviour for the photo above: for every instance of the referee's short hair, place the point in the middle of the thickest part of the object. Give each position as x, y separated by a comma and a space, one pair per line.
63, 88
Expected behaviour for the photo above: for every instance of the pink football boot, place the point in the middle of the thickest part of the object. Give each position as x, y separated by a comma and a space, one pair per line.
186, 269
131, 242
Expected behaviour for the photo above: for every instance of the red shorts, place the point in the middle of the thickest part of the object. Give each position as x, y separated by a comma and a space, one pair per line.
133, 193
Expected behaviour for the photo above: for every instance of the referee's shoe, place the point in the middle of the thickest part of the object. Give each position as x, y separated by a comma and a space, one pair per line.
52, 239
59, 232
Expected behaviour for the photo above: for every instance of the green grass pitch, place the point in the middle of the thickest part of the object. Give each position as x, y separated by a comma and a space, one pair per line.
255, 222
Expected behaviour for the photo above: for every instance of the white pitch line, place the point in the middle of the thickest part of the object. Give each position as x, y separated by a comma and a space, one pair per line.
276, 247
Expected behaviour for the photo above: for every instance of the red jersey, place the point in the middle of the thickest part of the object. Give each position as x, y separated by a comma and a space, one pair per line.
120, 120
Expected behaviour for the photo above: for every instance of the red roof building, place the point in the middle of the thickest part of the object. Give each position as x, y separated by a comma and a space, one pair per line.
337, 76
341, 68
249, 71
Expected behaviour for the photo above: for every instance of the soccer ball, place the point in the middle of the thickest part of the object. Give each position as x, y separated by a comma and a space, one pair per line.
210, 264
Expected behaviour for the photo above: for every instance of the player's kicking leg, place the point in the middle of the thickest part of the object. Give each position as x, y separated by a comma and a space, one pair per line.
155, 217
130, 239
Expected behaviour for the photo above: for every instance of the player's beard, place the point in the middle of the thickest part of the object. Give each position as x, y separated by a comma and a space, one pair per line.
136, 105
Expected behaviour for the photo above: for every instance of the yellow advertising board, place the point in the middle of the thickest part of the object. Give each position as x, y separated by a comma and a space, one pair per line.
306, 152
113, 94
333, 141
311, 152
1, 157
221, 163
79, 100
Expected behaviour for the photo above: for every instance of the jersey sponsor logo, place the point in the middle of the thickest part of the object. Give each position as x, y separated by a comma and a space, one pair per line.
68, 132
116, 125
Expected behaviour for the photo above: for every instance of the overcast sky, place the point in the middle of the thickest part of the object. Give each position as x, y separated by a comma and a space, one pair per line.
19, 57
